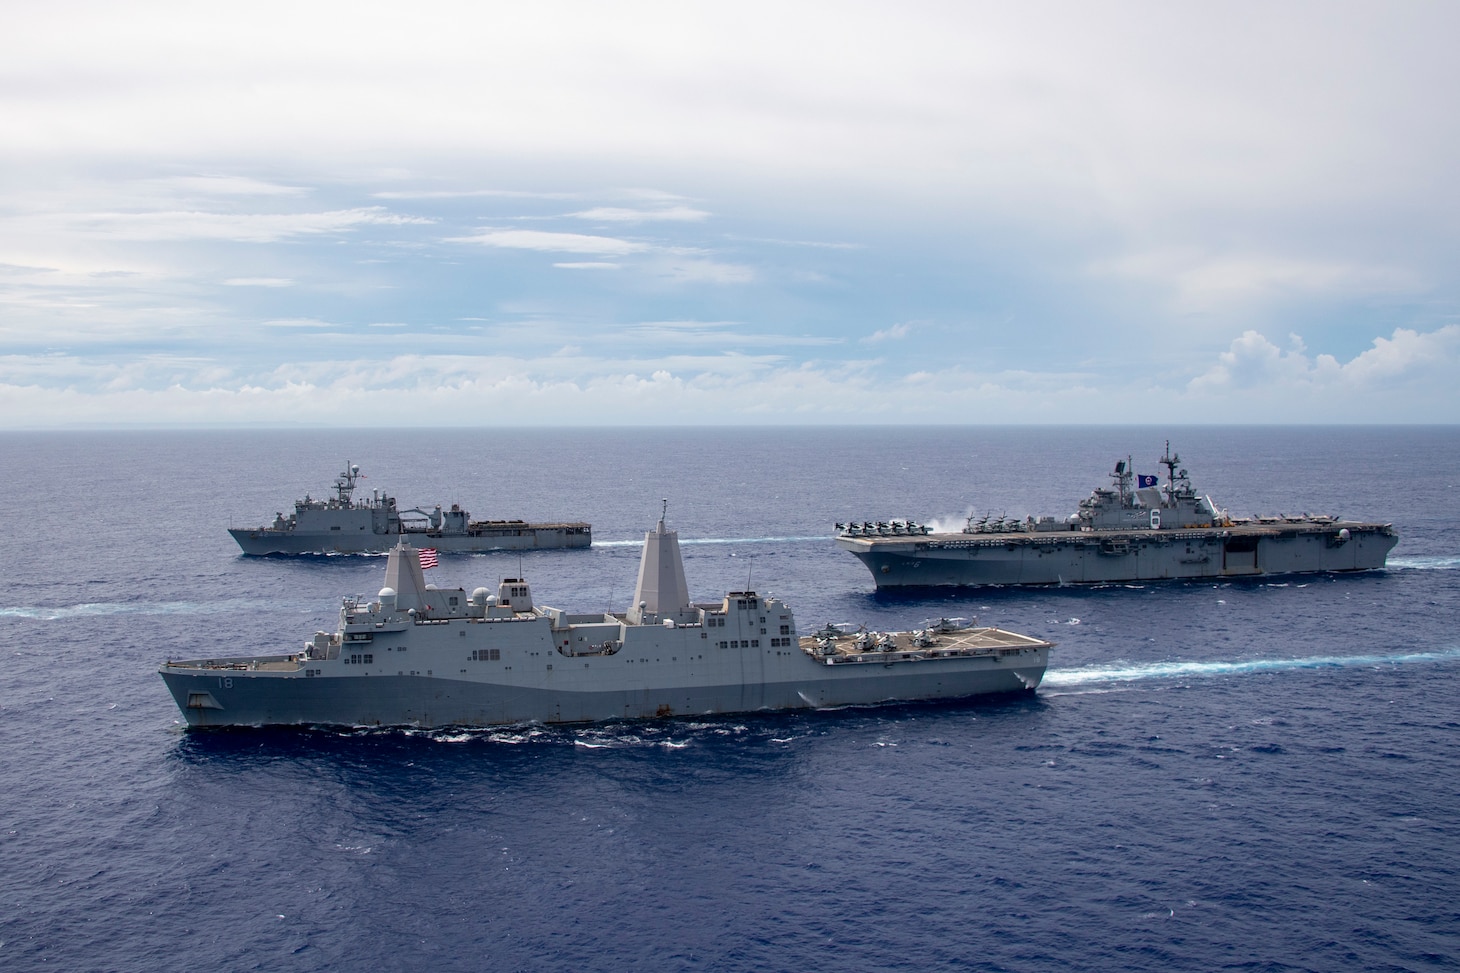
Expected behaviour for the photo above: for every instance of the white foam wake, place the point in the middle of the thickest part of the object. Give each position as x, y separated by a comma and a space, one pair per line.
92, 609
1435, 562
1131, 672
722, 540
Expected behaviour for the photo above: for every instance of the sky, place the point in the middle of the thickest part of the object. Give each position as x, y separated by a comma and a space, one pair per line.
643, 213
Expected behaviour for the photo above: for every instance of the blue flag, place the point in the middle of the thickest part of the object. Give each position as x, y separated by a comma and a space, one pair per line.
1143, 480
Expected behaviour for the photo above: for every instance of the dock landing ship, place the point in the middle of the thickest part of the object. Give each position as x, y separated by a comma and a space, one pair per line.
343, 525
1137, 529
422, 656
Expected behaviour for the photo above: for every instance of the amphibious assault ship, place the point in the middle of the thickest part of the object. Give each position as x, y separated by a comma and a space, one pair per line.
419, 655
343, 525
1135, 530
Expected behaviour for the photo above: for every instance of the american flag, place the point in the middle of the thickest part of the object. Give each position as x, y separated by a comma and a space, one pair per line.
428, 558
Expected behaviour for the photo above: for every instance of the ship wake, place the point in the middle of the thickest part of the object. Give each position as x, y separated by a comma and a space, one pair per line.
93, 609
1426, 563
1103, 675
687, 541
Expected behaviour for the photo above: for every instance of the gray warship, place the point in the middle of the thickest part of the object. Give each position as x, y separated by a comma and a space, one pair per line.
422, 656
1135, 530
343, 525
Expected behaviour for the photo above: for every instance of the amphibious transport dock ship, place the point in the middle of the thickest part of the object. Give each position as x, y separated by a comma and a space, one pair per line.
425, 656
1134, 530
343, 525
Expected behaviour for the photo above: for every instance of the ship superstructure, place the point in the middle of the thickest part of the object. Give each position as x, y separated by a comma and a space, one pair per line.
425, 656
1137, 529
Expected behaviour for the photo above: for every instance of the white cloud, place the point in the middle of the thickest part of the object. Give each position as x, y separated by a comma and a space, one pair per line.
895, 333
618, 214
1201, 281
1043, 186
718, 334
155, 227
298, 323
688, 270
1394, 359
717, 389
1254, 362
468, 194
968, 99
553, 242
573, 384
230, 185
816, 244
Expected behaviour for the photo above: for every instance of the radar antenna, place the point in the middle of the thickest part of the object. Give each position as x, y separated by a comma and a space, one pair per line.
1121, 479
345, 483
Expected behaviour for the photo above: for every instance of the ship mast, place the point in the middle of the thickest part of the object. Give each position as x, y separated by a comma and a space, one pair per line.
1122, 479
345, 483
1170, 462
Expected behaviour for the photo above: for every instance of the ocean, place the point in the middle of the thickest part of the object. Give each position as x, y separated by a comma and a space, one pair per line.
1257, 776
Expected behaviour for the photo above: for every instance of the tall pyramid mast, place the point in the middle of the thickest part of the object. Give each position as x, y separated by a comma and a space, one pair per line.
661, 589
403, 575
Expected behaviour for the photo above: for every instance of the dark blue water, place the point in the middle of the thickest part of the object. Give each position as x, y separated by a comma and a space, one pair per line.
1214, 776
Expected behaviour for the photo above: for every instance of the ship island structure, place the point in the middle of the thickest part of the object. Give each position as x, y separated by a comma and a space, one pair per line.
1137, 529
343, 525
423, 656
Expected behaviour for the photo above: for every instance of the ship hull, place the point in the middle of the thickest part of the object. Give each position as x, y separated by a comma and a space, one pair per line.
1101, 557
216, 697
259, 541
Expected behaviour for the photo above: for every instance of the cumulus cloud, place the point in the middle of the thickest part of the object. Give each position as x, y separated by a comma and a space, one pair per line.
660, 384
1407, 352
1253, 361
